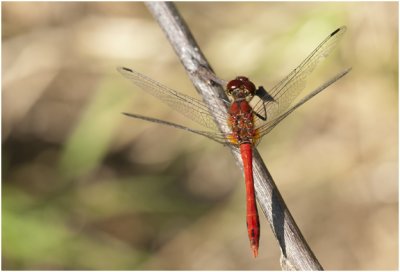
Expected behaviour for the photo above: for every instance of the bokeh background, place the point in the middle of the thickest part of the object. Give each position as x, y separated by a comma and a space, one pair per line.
84, 187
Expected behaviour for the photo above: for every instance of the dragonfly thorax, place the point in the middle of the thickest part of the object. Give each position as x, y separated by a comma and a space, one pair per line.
241, 122
241, 88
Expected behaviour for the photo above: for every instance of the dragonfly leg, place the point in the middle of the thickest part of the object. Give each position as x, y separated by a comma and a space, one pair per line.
265, 97
262, 117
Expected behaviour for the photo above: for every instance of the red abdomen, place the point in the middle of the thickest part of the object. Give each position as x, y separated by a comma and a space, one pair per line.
252, 221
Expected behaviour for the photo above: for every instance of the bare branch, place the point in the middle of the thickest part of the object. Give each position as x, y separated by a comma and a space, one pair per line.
296, 254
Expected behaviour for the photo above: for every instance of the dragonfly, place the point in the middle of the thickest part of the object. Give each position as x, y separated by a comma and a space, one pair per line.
247, 122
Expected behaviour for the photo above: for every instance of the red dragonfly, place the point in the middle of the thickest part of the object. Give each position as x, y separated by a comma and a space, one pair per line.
247, 123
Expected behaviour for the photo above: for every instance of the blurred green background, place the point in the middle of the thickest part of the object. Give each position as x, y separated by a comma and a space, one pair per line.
84, 187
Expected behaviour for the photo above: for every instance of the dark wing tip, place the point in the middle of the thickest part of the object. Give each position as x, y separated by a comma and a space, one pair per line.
342, 28
122, 69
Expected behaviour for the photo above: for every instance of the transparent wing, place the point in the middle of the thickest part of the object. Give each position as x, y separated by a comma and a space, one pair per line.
290, 87
269, 125
190, 107
215, 136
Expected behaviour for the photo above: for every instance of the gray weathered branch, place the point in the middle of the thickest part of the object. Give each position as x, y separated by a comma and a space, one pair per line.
296, 254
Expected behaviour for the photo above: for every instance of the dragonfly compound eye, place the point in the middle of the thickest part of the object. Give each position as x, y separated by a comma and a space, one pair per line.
233, 85
240, 87
242, 78
249, 86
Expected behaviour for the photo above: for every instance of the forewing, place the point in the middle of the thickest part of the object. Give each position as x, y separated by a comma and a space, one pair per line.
290, 87
190, 107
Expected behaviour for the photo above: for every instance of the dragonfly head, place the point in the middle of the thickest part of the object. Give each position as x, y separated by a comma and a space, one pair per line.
241, 87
